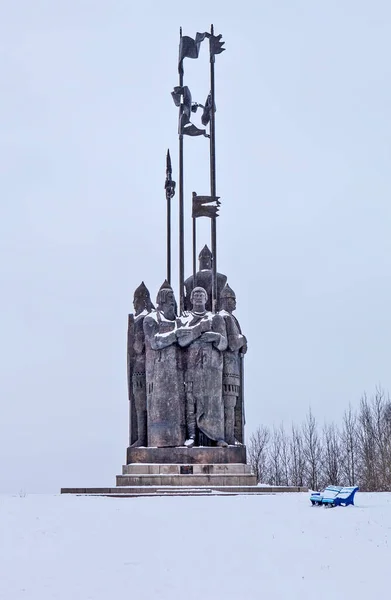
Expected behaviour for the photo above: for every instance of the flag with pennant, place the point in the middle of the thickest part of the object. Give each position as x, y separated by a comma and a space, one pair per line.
215, 44
205, 206
189, 48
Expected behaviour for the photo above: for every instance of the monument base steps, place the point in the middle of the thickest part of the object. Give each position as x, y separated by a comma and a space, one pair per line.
154, 491
195, 469
183, 480
194, 475
199, 471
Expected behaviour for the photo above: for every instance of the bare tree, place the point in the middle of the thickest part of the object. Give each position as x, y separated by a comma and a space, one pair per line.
278, 457
331, 455
349, 446
380, 409
312, 451
257, 451
297, 462
359, 453
368, 467
387, 433
285, 456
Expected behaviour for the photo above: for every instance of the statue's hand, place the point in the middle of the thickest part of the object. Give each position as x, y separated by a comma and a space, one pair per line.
210, 337
205, 326
138, 346
182, 332
184, 337
243, 349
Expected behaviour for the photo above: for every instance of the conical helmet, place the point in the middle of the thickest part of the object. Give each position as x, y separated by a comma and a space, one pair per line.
162, 293
165, 286
227, 292
205, 258
205, 253
142, 291
142, 299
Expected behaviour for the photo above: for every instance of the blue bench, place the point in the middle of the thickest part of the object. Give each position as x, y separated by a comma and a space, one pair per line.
344, 497
334, 495
328, 494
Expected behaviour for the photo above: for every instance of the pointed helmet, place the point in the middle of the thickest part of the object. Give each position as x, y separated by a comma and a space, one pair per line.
205, 252
142, 291
163, 291
142, 299
205, 258
227, 292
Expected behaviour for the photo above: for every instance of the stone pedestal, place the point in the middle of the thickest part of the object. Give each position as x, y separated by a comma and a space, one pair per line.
182, 455
196, 467
194, 475
202, 470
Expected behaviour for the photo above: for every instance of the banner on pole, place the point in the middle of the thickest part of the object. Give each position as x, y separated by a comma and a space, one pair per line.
189, 48
205, 206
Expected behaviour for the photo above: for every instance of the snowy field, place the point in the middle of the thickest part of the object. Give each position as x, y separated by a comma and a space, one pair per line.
242, 547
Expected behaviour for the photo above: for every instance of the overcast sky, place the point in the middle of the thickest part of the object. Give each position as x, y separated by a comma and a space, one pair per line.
303, 130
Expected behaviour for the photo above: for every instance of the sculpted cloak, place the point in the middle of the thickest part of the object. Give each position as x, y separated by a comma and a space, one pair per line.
232, 371
205, 406
136, 367
165, 382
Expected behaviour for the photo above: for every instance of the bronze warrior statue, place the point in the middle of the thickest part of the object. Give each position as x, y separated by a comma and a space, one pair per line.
204, 335
237, 347
164, 373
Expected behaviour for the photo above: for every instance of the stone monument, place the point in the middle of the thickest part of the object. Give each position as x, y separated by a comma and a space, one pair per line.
185, 360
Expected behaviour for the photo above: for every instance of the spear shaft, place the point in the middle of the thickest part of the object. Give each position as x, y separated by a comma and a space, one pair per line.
170, 191
213, 175
194, 252
169, 240
181, 211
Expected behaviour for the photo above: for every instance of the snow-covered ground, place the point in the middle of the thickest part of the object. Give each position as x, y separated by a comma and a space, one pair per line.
242, 547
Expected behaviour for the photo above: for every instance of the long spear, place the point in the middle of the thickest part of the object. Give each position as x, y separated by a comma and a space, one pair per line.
170, 192
181, 210
194, 245
213, 170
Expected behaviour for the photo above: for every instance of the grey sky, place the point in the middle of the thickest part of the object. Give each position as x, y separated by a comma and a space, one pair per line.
303, 96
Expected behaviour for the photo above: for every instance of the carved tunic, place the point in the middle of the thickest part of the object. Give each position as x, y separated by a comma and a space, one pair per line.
204, 372
232, 370
139, 347
165, 383
130, 369
138, 396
